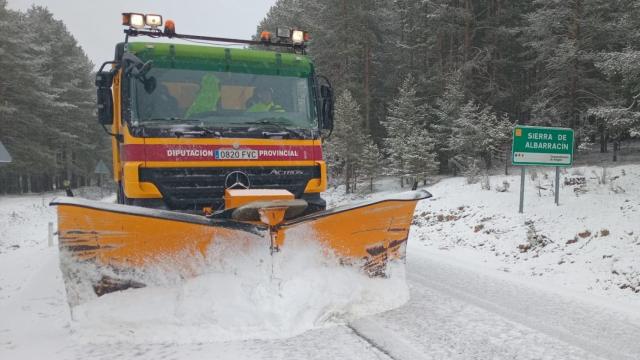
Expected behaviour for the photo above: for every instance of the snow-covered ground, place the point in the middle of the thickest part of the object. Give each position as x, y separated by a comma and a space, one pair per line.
590, 243
557, 282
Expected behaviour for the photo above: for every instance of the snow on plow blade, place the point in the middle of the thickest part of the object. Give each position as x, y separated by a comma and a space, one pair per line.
106, 247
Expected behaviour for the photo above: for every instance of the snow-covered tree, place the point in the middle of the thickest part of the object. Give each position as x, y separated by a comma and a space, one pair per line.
345, 147
479, 134
420, 159
618, 122
446, 110
563, 37
409, 143
47, 104
618, 117
371, 163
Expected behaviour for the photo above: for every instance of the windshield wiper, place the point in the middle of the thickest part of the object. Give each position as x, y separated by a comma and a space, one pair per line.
168, 121
277, 123
193, 129
197, 130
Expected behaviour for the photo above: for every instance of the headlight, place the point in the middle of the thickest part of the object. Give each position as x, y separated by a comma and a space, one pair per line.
133, 20
297, 36
153, 20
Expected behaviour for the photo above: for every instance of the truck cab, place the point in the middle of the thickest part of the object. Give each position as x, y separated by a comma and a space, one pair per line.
191, 121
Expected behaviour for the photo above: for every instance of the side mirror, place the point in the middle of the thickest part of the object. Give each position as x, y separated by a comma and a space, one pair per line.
104, 79
326, 93
105, 106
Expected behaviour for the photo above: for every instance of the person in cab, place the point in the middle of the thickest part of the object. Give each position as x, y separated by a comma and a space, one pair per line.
263, 97
207, 97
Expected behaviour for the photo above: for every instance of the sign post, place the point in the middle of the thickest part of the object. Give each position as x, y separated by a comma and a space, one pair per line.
541, 146
557, 193
521, 208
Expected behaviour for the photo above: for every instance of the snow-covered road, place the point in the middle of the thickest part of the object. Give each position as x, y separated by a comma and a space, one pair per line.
471, 314
458, 312
455, 312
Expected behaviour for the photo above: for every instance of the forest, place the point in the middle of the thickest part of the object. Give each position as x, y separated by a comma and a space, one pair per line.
423, 87
47, 105
435, 86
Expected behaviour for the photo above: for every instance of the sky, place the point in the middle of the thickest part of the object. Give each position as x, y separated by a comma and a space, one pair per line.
97, 25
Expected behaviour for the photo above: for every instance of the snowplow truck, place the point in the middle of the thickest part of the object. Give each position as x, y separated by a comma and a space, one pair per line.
214, 144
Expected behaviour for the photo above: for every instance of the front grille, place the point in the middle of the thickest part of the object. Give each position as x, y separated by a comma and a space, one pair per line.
195, 188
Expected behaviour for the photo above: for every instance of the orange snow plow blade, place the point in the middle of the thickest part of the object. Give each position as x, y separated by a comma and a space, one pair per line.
105, 247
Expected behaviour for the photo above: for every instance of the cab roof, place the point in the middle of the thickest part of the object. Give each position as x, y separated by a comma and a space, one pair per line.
213, 58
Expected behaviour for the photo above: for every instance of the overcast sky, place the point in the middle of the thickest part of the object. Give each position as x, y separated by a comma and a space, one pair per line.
97, 24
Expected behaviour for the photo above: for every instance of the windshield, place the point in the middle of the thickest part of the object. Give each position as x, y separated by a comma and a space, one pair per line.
225, 99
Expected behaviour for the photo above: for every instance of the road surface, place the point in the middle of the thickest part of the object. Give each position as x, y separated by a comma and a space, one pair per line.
454, 312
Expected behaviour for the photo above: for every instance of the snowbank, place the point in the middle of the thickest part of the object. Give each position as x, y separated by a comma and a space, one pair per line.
243, 295
590, 243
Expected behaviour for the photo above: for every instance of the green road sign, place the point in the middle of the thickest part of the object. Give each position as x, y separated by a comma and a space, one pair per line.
542, 146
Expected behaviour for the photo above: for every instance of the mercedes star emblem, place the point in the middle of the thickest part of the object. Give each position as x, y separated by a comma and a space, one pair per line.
237, 180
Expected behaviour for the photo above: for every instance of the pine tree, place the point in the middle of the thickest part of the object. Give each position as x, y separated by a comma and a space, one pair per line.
25, 93
420, 159
561, 35
618, 122
371, 160
447, 109
47, 110
345, 147
479, 134
409, 143
616, 117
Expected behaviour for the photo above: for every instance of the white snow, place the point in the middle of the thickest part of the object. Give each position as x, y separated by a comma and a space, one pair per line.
23, 221
23, 234
241, 297
589, 244
485, 282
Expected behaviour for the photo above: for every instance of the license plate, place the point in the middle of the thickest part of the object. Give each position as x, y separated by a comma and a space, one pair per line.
236, 154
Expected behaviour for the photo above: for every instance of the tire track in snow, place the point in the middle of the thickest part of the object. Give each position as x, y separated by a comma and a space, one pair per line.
391, 345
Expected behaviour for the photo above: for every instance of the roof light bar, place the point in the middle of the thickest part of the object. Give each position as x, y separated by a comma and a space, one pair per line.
150, 25
153, 20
